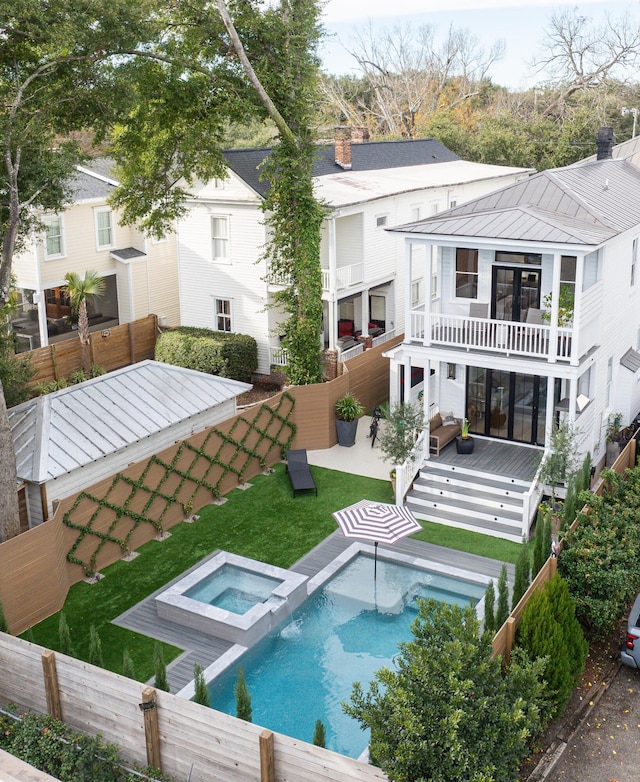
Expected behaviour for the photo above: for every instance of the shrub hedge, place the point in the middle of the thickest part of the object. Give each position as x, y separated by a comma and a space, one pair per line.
214, 352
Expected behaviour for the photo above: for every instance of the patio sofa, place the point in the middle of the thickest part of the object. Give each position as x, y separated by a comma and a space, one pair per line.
442, 430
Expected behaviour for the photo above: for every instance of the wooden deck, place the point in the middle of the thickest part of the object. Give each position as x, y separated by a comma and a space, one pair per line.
205, 649
497, 457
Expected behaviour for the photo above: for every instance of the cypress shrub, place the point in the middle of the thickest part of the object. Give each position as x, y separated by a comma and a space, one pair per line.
502, 611
161, 682
4, 627
65, 636
549, 628
538, 542
522, 574
127, 665
95, 647
569, 505
319, 734
201, 694
489, 609
243, 699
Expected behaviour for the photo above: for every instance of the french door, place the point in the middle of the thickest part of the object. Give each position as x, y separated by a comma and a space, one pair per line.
514, 292
508, 405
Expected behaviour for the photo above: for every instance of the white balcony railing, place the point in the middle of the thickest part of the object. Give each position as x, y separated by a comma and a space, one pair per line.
278, 356
356, 350
382, 338
498, 336
346, 276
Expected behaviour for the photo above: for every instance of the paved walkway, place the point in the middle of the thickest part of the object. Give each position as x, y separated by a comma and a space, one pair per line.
360, 459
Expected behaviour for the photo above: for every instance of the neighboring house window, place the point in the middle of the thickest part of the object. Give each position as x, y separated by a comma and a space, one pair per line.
381, 221
584, 390
416, 293
223, 314
415, 213
220, 239
452, 203
609, 379
466, 273
53, 242
434, 280
435, 208
634, 261
104, 229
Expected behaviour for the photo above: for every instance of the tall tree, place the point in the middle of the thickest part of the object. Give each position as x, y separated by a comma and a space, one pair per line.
57, 75
79, 290
211, 67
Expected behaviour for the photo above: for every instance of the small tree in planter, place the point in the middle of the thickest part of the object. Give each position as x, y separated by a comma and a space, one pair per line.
348, 410
561, 463
403, 422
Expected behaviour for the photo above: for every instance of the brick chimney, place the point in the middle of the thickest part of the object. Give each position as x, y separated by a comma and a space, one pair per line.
604, 144
342, 142
360, 134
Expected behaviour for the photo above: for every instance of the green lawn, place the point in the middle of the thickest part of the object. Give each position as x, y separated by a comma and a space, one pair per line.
263, 522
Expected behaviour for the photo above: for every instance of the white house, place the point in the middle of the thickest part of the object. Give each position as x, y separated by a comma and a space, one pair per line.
140, 273
70, 439
536, 312
369, 186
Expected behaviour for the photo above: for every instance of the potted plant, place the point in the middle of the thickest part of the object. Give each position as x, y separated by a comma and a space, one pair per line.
617, 438
464, 443
348, 410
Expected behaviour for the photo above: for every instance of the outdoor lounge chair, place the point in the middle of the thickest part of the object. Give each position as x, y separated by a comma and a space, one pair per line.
299, 472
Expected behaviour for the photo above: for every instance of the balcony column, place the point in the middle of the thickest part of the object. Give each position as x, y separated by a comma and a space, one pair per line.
576, 347
332, 307
394, 382
550, 413
428, 273
555, 305
573, 395
407, 289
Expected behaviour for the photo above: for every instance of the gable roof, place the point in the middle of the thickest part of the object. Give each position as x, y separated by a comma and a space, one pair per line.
366, 156
585, 204
59, 432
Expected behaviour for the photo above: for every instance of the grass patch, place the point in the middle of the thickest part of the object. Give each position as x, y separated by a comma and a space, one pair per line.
263, 522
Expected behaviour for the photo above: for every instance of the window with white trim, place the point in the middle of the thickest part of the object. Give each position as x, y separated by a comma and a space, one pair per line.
220, 239
466, 273
104, 228
609, 380
634, 261
415, 213
223, 314
53, 236
435, 292
416, 293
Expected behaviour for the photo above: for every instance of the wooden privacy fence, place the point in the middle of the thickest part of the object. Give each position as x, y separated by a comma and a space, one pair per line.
111, 518
111, 348
504, 639
184, 739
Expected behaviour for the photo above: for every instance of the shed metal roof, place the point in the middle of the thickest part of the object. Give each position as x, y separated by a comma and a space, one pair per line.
585, 204
57, 433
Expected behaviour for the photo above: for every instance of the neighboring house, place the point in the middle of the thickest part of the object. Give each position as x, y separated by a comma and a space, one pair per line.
140, 273
367, 186
73, 438
536, 315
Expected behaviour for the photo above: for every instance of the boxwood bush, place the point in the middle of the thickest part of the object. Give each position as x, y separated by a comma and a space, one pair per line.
214, 352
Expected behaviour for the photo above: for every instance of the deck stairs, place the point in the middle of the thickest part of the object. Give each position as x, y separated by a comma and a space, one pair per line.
469, 499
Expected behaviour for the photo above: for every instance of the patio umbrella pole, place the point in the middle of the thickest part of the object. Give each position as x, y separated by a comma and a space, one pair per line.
375, 559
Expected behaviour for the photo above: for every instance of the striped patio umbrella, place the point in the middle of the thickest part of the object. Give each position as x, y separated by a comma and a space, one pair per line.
376, 521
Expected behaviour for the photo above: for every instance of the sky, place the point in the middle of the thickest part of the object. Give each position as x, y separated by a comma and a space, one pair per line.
520, 23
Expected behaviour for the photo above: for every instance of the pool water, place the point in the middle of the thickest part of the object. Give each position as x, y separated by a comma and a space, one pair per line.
345, 632
233, 588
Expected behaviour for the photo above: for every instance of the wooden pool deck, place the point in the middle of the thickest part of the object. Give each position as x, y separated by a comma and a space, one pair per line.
205, 649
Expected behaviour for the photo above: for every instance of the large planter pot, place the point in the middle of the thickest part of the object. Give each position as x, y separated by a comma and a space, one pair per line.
464, 444
346, 431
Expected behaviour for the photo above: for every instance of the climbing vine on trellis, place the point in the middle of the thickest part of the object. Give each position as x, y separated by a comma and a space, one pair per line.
164, 483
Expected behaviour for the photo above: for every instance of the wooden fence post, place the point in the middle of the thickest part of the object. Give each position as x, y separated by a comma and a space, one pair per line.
267, 759
149, 709
51, 684
132, 343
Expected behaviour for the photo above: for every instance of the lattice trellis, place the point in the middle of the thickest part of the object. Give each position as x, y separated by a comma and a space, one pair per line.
164, 483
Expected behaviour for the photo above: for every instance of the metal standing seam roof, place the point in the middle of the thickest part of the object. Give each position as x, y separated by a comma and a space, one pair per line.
585, 204
631, 360
59, 432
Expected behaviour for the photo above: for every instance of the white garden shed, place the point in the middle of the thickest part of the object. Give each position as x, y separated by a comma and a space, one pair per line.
75, 437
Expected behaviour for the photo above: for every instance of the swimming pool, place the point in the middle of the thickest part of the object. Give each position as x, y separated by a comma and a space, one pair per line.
348, 629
